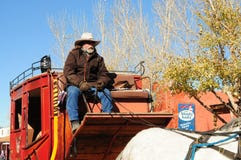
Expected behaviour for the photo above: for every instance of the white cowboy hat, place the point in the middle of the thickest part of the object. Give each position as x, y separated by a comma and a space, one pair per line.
86, 37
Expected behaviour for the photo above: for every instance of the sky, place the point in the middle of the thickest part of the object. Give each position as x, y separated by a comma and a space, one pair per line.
25, 37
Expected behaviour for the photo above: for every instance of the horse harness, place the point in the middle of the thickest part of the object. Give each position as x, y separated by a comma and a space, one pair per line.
203, 139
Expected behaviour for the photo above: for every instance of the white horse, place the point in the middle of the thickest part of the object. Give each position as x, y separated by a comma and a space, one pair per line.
163, 144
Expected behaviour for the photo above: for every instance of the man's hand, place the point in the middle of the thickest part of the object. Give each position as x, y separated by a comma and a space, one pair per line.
100, 85
84, 86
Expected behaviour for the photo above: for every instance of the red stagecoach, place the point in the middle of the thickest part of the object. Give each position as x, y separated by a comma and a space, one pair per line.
41, 130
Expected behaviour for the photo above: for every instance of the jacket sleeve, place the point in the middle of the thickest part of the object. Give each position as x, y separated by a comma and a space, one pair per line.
103, 72
69, 70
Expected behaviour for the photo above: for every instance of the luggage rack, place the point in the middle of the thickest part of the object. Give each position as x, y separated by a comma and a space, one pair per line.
43, 65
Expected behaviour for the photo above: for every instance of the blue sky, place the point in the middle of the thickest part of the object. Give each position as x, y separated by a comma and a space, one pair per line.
25, 37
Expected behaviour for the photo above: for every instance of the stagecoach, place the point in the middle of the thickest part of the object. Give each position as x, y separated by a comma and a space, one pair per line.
40, 128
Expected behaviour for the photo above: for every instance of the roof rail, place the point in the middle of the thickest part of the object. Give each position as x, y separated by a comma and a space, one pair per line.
44, 64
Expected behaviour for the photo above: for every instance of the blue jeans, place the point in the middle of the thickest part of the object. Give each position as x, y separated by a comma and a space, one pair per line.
73, 94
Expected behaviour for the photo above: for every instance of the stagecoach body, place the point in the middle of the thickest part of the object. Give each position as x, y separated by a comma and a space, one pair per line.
40, 129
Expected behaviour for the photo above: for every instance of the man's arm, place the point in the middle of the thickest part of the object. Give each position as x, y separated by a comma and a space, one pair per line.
103, 72
69, 70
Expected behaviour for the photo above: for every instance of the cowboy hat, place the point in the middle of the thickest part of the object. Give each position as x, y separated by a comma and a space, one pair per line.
86, 37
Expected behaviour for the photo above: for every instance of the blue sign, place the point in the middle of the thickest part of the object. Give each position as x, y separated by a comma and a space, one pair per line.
186, 116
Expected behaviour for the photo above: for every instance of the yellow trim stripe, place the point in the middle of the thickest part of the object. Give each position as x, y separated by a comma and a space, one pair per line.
55, 109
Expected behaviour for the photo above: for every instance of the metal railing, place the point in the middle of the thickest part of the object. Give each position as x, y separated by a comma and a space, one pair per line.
37, 66
43, 65
28, 73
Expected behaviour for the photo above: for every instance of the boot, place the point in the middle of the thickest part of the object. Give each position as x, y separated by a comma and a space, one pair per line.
75, 125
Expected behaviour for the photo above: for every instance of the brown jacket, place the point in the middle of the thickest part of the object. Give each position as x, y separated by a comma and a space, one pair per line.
79, 68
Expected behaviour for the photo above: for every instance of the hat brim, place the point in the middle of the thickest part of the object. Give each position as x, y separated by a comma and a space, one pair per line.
83, 41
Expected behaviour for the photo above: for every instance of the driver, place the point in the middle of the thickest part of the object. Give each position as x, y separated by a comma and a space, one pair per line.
85, 70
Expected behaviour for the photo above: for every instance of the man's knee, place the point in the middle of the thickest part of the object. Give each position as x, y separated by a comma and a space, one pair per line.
106, 92
72, 90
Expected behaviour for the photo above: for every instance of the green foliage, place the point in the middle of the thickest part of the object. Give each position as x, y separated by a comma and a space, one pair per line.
192, 75
217, 65
220, 27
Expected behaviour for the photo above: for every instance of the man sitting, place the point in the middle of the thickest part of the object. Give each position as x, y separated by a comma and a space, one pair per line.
85, 70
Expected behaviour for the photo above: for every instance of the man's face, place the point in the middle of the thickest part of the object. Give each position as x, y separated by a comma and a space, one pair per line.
88, 47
